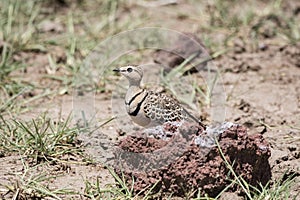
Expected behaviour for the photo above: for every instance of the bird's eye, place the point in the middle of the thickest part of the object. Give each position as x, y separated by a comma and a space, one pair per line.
129, 69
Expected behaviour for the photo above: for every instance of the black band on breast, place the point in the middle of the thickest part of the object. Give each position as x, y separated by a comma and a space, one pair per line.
136, 111
131, 100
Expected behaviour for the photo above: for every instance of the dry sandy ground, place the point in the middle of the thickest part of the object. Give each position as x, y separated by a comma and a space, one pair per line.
263, 93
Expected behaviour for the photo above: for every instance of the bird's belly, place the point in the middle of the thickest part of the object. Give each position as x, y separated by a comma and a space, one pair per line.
141, 119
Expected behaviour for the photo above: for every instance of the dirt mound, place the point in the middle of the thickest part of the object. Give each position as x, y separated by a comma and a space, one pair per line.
187, 46
194, 167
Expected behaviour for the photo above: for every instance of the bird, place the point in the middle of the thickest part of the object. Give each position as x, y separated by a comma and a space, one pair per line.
149, 108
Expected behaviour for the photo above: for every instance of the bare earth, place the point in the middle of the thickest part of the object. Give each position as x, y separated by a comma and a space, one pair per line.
262, 86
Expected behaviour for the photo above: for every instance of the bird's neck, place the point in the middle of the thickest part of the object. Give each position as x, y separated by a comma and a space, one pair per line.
134, 83
132, 91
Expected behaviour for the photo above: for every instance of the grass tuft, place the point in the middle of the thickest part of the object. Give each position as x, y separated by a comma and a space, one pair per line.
31, 184
41, 139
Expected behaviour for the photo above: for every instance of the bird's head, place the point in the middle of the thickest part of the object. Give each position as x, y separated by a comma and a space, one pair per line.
133, 73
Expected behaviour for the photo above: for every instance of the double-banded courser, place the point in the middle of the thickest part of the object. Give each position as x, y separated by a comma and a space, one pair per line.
147, 108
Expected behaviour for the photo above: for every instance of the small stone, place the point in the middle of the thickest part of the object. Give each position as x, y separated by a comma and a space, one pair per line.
50, 26
261, 129
231, 196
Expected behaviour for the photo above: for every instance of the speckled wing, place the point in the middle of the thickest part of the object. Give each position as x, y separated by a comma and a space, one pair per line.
161, 107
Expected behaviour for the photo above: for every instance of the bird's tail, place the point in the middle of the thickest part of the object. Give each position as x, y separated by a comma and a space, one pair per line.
195, 118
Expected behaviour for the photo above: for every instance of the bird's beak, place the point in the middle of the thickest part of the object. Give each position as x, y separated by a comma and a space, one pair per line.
116, 70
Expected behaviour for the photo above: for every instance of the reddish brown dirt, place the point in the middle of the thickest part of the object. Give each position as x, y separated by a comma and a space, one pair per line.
261, 77
197, 167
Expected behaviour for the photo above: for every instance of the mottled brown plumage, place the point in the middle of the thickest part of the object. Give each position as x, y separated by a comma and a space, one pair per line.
163, 108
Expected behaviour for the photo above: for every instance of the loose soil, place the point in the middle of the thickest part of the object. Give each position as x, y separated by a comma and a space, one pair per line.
262, 85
